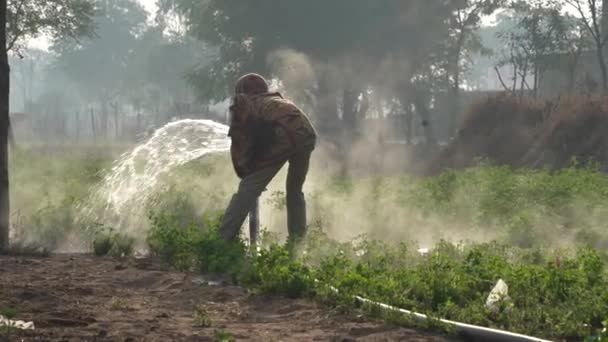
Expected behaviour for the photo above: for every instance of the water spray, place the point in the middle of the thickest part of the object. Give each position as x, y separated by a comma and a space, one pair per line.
134, 177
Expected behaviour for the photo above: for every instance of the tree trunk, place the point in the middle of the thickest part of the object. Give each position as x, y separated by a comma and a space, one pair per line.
12, 143
63, 127
420, 102
600, 57
604, 20
4, 133
455, 108
349, 112
138, 124
326, 108
116, 125
536, 81
104, 120
454, 90
408, 117
77, 124
93, 127
409, 124
572, 65
522, 85
514, 85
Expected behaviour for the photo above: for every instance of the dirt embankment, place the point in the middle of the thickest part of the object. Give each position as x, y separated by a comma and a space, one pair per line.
83, 298
506, 130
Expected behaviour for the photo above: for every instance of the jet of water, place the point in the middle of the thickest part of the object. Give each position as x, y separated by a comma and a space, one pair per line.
133, 177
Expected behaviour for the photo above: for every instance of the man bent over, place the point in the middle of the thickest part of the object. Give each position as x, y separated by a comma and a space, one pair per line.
267, 131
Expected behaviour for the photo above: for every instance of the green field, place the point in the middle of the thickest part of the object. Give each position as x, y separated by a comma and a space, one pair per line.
542, 233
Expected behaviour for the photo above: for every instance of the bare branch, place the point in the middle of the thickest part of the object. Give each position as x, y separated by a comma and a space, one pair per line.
502, 82
579, 8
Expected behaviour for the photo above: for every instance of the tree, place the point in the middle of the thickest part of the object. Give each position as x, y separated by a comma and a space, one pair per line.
99, 65
351, 48
159, 63
462, 42
21, 19
133, 74
576, 41
591, 13
539, 35
25, 76
58, 19
4, 132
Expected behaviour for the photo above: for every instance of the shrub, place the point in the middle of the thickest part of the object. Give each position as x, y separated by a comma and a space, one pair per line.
107, 241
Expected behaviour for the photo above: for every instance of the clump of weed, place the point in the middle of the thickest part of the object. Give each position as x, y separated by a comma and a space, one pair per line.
47, 211
214, 255
119, 304
6, 331
201, 317
174, 243
102, 244
109, 242
275, 271
8, 313
195, 246
122, 245
222, 335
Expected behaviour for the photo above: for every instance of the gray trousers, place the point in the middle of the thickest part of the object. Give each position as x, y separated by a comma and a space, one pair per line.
251, 187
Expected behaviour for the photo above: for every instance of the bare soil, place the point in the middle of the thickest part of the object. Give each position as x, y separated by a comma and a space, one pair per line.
85, 298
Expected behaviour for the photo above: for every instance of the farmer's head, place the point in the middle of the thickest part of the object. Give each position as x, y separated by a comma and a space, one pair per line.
251, 84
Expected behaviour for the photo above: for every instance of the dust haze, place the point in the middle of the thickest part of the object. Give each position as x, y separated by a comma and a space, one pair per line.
387, 94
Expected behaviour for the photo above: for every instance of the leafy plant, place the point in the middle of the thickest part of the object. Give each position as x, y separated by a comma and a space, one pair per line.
275, 271
173, 243
119, 304
201, 317
102, 244
8, 313
107, 241
222, 335
122, 245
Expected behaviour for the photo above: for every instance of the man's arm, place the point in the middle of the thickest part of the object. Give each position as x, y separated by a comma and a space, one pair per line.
240, 134
240, 151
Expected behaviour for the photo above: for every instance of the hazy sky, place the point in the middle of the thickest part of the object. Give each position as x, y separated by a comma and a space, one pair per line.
42, 42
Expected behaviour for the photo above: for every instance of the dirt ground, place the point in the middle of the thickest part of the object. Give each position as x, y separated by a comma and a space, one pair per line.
85, 298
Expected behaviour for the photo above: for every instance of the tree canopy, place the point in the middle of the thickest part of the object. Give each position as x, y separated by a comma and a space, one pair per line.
327, 32
57, 19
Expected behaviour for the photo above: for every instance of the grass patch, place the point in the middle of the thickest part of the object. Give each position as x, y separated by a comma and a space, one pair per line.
109, 242
7, 331
222, 335
119, 304
201, 317
9, 313
46, 211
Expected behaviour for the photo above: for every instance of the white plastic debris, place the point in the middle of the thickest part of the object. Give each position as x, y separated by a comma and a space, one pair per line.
23, 325
499, 293
423, 251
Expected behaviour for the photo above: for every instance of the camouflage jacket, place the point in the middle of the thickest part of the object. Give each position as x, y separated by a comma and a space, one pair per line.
276, 128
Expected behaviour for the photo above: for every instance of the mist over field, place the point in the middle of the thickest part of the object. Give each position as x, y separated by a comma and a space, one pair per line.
459, 143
